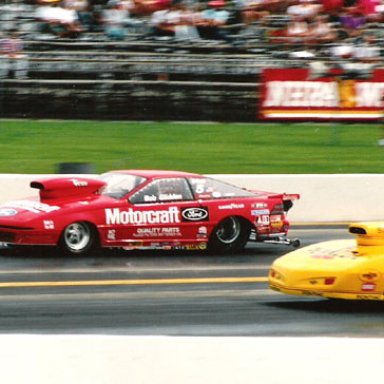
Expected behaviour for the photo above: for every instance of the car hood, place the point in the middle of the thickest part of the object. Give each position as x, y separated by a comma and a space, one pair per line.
321, 258
327, 267
20, 212
55, 195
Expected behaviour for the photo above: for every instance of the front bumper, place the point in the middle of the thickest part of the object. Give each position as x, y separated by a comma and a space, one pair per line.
27, 236
330, 293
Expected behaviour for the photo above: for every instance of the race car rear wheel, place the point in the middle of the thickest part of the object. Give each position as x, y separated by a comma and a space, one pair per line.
230, 235
79, 238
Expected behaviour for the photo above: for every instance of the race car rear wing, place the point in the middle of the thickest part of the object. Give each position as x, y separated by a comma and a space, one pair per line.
291, 196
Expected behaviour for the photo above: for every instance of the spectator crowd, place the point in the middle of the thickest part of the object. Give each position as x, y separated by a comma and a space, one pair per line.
349, 29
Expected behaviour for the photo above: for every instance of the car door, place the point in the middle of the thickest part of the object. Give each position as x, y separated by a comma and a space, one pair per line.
166, 212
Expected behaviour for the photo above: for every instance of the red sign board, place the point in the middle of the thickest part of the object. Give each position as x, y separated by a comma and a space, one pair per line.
291, 94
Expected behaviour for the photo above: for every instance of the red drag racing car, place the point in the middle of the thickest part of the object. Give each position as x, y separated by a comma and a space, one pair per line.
143, 209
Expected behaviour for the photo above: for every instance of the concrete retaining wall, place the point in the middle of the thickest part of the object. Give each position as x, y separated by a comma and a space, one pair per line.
324, 198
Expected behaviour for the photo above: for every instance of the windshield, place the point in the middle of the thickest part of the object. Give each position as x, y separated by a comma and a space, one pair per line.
119, 184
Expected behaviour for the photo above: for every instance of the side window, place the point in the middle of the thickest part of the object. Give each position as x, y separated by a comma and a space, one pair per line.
162, 191
202, 188
207, 188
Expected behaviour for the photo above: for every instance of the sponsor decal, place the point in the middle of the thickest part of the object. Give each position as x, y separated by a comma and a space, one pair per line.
7, 212
116, 216
311, 293
79, 183
111, 234
150, 198
170, 196
49, 224
276, 218
329, 254
202, 232
232, 206
276, 221
163, 197
259, 205
369, 297
196, 247
157, 232
195, 214
134, 245
32, 206
257, 212
263, 220
368, 287
205, 196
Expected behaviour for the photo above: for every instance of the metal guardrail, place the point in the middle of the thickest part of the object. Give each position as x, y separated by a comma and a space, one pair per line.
128, 99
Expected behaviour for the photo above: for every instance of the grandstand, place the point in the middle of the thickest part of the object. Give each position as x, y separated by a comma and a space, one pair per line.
149, 77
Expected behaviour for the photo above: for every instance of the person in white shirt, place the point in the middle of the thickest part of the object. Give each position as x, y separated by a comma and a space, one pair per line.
57, 19
177, 21
114, 18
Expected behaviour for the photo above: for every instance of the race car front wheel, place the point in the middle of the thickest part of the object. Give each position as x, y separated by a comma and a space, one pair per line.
230, 235
79, 238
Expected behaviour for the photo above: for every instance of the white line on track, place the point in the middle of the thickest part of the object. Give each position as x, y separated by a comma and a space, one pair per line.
133, 269
157, 295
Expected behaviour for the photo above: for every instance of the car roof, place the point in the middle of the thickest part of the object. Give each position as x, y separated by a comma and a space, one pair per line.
155, 173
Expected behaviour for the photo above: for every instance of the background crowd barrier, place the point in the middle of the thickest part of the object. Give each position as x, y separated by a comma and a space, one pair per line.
337, 198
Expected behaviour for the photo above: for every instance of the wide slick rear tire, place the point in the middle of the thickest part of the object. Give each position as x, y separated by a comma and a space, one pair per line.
230, 235
79, 238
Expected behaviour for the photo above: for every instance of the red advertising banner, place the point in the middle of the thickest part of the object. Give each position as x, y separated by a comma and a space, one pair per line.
291, 94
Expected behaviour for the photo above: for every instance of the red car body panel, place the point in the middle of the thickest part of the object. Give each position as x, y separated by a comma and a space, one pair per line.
141, 218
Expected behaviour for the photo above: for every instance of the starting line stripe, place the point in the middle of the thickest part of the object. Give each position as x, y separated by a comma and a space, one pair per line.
89, 283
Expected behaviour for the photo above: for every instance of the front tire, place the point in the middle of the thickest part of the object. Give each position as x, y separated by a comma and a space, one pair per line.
230, 235
79, 238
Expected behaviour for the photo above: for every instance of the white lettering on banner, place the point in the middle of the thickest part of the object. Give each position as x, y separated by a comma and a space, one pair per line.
301, 94
369, 94
130, 216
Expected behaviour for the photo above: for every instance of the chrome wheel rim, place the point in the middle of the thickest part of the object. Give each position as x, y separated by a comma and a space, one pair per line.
77, 236
229, 230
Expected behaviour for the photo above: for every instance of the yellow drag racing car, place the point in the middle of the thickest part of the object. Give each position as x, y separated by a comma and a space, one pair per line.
339, 269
